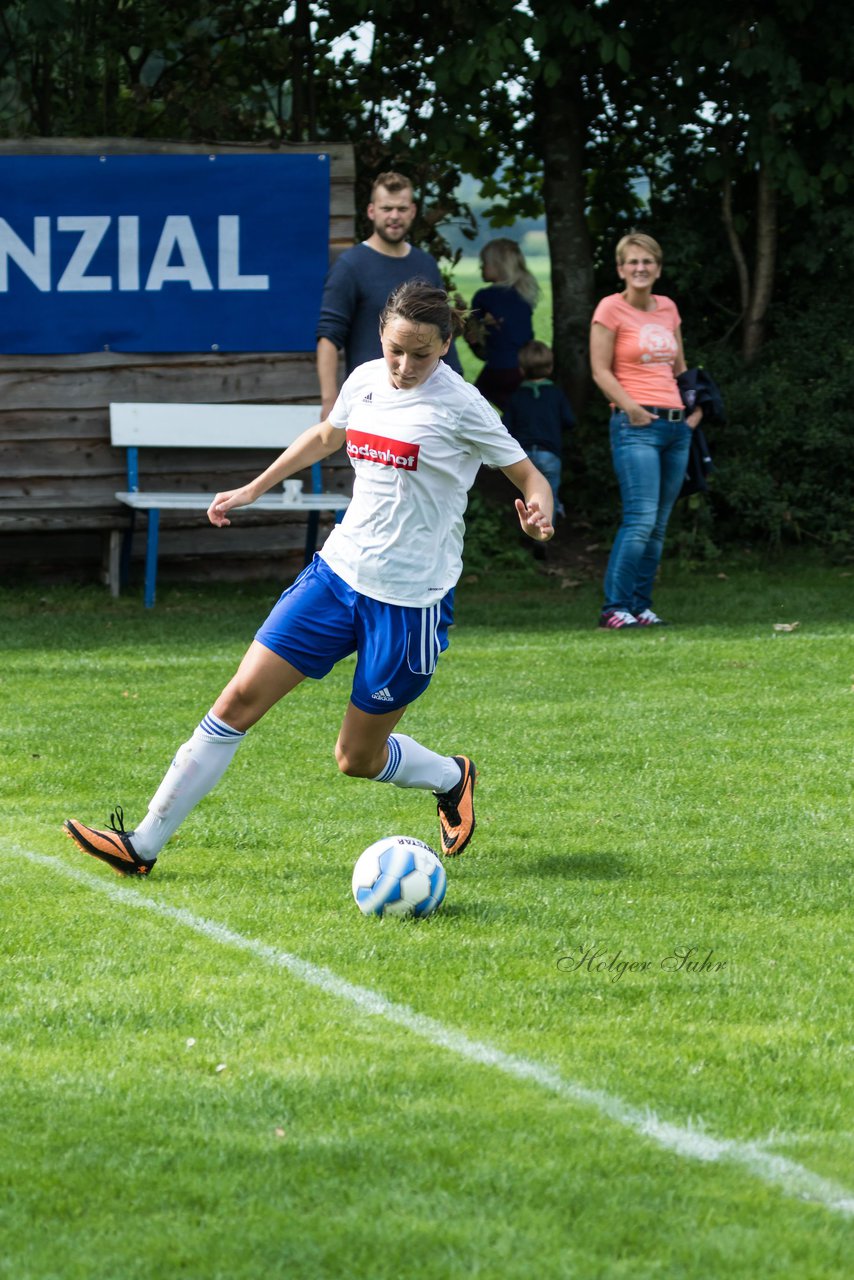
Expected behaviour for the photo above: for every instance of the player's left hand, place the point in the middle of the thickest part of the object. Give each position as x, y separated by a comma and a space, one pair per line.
534, 520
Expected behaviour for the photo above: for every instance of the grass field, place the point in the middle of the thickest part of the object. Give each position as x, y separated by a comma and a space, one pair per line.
227, 1072
467, 280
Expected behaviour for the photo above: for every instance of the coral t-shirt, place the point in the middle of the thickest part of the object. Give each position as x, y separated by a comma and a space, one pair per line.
644, 348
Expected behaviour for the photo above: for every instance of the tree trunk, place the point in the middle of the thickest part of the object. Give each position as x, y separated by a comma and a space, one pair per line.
763, 274
735, 247
303, 118
564, 196
756, 293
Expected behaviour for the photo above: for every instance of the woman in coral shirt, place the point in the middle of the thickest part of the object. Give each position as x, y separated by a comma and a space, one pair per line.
635, 354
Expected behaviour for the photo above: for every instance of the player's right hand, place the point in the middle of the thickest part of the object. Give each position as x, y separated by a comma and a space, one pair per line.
227, 501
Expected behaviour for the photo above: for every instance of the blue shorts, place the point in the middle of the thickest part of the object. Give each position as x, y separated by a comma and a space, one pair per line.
319, 620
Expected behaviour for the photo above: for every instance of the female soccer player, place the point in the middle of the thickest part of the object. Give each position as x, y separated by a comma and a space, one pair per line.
382, 586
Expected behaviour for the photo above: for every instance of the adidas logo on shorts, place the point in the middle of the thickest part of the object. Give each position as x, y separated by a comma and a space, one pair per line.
382, 695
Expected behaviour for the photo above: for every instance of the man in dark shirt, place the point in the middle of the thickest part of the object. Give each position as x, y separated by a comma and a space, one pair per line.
360, 281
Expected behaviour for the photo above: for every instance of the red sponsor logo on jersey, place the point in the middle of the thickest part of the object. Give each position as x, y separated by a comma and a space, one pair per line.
382, 449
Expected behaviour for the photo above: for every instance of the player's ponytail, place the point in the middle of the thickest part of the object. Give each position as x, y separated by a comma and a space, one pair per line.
422, 303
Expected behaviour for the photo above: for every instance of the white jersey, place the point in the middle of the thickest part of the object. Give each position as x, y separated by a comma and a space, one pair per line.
415, 454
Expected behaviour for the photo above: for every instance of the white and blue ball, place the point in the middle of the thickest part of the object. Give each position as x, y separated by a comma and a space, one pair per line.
399, 876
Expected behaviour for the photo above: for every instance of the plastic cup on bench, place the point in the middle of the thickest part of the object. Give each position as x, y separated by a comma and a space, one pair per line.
292, 490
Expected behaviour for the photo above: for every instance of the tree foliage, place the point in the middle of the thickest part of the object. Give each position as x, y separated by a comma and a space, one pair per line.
725, 129
226, 70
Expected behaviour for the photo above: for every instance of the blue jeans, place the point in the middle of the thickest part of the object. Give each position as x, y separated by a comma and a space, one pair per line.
650, 466
550, 465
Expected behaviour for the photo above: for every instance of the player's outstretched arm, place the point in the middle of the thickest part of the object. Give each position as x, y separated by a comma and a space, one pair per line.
314, 444
536, 510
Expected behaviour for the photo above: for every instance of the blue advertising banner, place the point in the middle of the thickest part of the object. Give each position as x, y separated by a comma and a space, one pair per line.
162, 253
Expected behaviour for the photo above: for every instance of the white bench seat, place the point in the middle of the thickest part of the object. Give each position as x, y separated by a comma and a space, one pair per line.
135, 426
201, 501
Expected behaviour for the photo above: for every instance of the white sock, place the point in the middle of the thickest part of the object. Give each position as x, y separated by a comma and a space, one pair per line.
197, 768
411, 765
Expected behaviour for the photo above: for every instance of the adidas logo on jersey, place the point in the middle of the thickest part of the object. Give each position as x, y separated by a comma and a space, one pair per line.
382, 695
368, 398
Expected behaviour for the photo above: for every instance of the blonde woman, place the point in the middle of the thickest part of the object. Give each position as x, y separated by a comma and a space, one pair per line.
636, 355
501, 320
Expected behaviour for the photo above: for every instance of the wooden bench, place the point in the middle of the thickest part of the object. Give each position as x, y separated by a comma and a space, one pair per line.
208, 426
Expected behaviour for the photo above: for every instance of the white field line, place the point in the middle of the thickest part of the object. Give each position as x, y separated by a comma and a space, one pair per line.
692, 1143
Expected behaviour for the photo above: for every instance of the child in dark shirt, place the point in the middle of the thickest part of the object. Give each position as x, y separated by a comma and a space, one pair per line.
538, 413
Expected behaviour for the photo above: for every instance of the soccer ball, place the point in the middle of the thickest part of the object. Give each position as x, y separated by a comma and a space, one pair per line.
398, 876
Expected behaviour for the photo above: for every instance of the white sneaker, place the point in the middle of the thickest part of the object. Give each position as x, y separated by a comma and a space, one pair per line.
616, 619
649, 619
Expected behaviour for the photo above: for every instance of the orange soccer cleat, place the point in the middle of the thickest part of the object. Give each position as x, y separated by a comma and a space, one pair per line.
113, 847
456, 809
